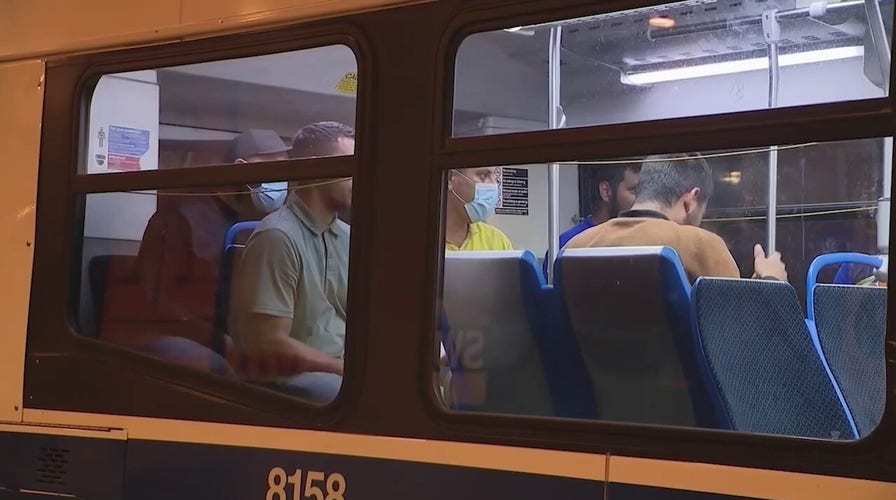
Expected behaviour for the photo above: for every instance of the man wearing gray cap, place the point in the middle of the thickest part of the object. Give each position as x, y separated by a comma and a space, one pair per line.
257, 145
179, 257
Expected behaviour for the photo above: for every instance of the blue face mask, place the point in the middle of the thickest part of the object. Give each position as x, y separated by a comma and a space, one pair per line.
269, 196
485, 199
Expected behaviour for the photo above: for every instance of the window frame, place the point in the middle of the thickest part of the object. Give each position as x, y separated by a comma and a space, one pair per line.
62, 184
858, 119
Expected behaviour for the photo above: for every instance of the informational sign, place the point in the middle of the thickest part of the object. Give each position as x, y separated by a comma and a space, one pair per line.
126, 146
348, 84
123, 136
513, 186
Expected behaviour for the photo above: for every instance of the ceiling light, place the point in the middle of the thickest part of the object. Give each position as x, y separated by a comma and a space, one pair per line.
729, 67
661, 22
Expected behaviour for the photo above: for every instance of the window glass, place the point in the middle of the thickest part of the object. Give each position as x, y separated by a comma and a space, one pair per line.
187, 116
649, 63
245, 281
660, 308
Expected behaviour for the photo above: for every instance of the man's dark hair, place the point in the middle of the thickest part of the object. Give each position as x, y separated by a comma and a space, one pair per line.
664, 179
319, 139
612, 174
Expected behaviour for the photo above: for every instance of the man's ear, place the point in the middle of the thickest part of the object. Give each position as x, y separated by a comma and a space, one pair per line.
605, 191
691, 199
450, 180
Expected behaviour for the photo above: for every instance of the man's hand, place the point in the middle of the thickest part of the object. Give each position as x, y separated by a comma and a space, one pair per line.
768, 267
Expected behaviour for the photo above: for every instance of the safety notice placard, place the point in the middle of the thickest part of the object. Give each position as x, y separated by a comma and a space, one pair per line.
513, 184
126, 146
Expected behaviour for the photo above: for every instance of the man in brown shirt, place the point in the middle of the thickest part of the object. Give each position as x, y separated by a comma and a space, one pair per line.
670, 201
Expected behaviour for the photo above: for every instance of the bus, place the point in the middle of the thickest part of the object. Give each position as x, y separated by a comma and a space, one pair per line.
188, 181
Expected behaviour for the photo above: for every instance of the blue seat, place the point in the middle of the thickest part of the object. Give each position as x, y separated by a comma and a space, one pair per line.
629, 310
831, 259
225, 279
237, 228
762, 358
849, 328
490, 304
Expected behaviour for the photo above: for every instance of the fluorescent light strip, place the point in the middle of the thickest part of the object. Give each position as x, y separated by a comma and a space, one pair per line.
729, 67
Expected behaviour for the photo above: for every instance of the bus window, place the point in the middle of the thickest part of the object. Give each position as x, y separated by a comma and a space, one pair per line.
187, 116
650, 63
223, 276
684, 294
206, 279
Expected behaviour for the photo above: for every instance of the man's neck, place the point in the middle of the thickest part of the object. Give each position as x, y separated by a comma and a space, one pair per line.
653, 207
457, 226
599, 215
316, 206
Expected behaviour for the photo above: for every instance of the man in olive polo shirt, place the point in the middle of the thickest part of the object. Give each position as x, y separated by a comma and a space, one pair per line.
290, 291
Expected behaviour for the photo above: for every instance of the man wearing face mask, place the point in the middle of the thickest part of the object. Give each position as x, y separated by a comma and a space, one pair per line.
179, 259
670, 201
291, 287
472, 197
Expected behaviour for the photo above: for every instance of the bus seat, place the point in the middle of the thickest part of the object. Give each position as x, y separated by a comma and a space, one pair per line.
229, 261
240, 227
628, 308
851, 329
761, 356
490, 320
830, 259
567, 376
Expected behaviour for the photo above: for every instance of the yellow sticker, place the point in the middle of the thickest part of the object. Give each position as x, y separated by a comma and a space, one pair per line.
348, 84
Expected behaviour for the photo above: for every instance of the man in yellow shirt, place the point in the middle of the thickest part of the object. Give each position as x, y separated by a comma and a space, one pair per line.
473, 195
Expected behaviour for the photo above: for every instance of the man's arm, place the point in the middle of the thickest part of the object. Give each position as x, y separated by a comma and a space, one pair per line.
770, 267
271, 335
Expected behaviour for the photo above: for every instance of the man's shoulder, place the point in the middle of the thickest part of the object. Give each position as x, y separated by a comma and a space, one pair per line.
490, 237
281, 221
574, 231
698, 233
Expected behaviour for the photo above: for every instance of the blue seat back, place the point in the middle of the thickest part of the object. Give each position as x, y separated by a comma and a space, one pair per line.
830, 259
225, 280
851, 324
628, 308
239, 227
490, 320
759, 350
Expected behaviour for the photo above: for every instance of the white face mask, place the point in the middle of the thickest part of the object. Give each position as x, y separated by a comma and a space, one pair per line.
269, 196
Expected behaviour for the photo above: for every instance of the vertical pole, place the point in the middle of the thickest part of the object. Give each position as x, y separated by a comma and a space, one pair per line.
554, 114
772, 32
883, 204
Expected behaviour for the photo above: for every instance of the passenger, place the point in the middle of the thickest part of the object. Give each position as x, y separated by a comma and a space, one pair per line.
670, 201
290, 291
614, 190
473, 197
179, 258
614, 187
